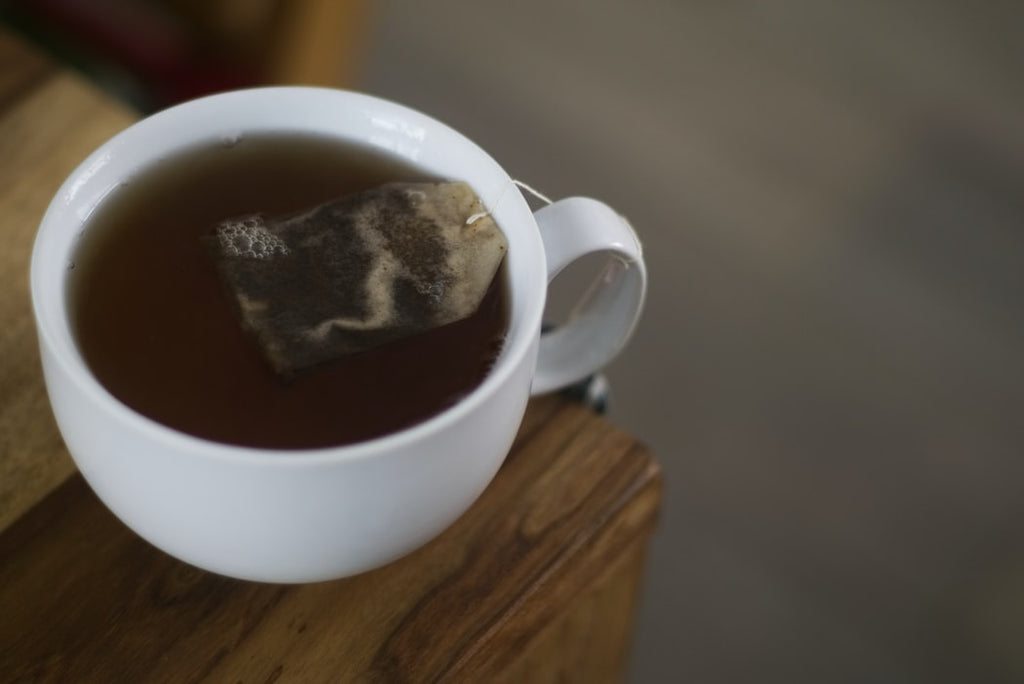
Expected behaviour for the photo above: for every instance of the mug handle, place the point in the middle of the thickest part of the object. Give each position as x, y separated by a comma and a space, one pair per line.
601, 323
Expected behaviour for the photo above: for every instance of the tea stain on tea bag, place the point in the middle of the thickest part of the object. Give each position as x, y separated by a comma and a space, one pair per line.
359, 271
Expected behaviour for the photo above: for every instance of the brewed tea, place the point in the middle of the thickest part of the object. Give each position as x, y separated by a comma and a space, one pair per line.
157, 328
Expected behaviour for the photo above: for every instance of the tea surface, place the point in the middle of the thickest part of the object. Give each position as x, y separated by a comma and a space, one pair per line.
157, 329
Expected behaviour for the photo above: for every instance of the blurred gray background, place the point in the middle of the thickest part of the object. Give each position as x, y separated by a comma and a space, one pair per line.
831, 365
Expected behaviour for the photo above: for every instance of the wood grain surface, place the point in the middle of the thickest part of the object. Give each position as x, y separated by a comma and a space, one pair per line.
535, 583
85, 599
49, 122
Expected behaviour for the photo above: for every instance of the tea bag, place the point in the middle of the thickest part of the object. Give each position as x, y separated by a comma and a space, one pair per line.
360, 271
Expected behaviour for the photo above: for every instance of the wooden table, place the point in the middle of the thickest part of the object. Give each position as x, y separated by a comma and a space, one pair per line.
535, 583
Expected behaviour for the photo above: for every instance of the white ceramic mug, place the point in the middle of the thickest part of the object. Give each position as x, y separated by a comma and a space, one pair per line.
325, 513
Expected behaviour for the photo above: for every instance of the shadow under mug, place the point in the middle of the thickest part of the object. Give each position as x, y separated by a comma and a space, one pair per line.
310, 515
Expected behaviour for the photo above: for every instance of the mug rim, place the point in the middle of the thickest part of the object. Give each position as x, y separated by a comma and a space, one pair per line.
55, 239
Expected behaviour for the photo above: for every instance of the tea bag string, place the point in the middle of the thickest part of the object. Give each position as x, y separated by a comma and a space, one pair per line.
518, 183
616, 259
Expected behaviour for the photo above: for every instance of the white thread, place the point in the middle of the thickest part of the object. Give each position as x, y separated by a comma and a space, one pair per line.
530, 190
518, 183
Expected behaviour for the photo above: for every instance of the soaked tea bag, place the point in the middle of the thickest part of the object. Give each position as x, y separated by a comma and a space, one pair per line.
360, 271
